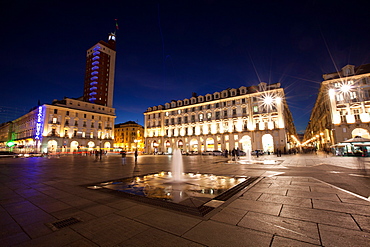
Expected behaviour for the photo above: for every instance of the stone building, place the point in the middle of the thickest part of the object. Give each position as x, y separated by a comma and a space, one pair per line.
129, 136
342, 108
248, 118
68, 125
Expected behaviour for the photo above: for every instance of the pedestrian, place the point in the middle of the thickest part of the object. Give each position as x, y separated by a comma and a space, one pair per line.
257, 153
100, 153
96, 155
237, 152
233, 153
136, 154
226, 153
123, 153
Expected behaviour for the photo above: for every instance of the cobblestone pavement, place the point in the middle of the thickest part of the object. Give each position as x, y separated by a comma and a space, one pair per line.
279, 210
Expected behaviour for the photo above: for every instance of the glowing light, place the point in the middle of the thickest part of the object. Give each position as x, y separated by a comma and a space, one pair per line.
268, 100
10, 144
40, 120
331, 93
345, 88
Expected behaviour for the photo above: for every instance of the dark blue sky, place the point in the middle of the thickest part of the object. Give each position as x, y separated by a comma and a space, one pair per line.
168, 49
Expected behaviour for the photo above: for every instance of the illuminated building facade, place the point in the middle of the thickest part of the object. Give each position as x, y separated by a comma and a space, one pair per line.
68, 125
72, 125
342, 108
99, 75
129, 136
247, 118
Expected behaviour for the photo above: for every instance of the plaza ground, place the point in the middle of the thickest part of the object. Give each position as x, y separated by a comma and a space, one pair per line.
302, 200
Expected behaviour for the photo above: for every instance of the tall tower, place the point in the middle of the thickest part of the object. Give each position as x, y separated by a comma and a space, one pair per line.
99, 75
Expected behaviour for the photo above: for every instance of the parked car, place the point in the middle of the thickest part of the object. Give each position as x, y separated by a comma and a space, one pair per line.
5, 154
242, 153
260, 152
217, 153
207, 153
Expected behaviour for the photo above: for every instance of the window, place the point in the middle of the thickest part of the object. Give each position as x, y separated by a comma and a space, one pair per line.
225, 113
55, 120
209, 116
186, 119
178, 111
201, 117
179, 120
255, 109
84, 115
244, 110
192, 118
55, 111
67, 113
234, 112
217, 115
166, 113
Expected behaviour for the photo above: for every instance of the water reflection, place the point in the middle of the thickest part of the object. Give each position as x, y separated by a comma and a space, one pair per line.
202, 187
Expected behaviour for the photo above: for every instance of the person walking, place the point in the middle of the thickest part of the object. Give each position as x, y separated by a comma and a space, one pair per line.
136, 154
123, 153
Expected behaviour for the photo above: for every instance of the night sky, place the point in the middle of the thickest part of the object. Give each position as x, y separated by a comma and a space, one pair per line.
168, 49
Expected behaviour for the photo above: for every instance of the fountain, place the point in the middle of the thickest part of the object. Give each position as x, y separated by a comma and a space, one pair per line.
192, 193
248, 154
177, 166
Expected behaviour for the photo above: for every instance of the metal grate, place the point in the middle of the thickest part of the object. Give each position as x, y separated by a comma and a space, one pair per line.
64, 223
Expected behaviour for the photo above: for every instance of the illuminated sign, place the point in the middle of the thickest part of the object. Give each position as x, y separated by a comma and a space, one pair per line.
40, 120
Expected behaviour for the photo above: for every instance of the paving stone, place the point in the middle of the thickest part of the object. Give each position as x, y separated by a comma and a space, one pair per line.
286, 242
38, 229
155, 237
229, 215
249, 195
290, 228
212, 233
98, 210
135, 211
73, 212
33, 216
319, 216
342, 207
110, 230
53, 206
314, 195
363, 221
277, 191
61, 237
14, 239
335, 236
288, 200
290, 187
19, 207
168, 221
256, 206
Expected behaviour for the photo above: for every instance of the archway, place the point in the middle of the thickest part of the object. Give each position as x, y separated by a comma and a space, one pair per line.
180, 144
107, 145
246, 143
52, 146
193, 145
91, 145
155, 147
360, 132
268, 143
168, 148
74, 146
210, 144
